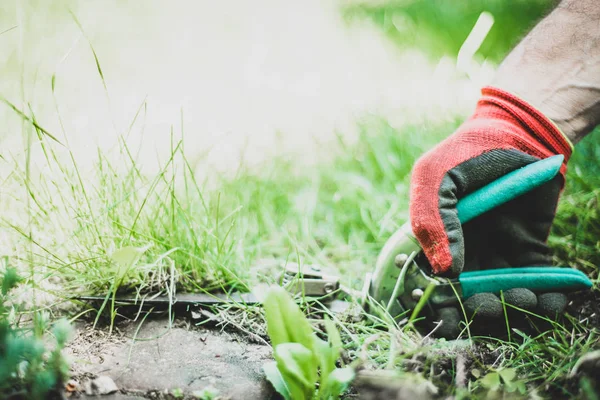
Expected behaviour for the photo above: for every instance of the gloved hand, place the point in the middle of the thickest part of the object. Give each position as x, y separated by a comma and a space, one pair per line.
504, 133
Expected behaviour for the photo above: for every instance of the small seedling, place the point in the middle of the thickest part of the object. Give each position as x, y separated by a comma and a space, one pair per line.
304, 366
208, 393
503, 380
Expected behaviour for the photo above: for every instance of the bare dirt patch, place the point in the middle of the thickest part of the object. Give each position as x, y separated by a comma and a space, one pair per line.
155, 360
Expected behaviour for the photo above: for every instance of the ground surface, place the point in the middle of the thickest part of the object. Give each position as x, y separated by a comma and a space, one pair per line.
152, 360
162, 360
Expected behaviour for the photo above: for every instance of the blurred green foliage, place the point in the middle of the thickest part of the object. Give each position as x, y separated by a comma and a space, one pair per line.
576, 230
28, 368
439, 27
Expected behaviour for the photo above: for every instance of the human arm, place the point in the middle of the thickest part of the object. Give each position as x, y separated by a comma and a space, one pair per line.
556, 68
545, 97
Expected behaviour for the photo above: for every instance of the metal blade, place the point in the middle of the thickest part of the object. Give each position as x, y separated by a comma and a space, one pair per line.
447, 292
181, 299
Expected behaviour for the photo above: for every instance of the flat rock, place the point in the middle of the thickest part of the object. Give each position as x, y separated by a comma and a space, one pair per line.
116, 396
179, 358
101, 385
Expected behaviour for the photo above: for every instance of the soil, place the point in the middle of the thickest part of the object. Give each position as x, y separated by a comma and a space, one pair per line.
185, 358
163, 360
586, 307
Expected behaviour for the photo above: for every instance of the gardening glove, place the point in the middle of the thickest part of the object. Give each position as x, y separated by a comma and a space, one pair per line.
504, 134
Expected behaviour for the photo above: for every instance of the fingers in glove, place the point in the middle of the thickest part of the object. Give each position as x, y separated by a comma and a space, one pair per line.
487, 311
450, 319
522, 298
434, 220
482, 306
435, 190
488, 305
515, 233
485, 305
552, 305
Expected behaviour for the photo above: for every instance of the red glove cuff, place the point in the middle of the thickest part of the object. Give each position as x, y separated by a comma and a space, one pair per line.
496, 103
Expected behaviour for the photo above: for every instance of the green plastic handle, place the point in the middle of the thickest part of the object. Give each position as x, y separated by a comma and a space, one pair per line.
500, 191
508, 187
537, 279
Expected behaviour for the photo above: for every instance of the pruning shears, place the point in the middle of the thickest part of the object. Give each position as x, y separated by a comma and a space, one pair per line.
398, 282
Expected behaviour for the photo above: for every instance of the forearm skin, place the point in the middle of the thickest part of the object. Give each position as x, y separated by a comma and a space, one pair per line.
556, 67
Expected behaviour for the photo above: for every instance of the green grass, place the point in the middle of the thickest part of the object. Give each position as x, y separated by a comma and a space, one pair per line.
196, 236
338, 215
199, 236
63, 223
577, 227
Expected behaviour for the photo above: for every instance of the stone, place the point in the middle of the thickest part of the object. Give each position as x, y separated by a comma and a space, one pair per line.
100, 386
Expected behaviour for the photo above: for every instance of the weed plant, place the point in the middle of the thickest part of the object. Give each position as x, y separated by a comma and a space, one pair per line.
31, 363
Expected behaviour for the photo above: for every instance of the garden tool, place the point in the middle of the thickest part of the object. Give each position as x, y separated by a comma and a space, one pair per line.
399, 282
306, 280
179, 299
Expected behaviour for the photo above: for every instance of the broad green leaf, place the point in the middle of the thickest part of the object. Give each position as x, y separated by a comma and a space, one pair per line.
297, 390
297, 363
276, 323
510, 386
333, 336
335, 347
491, 380
476, 373
507, 374
274, 376
285, 321
337, 383
324, 352
125, 258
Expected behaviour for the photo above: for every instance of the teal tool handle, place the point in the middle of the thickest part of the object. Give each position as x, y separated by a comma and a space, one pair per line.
508, 187
537, 279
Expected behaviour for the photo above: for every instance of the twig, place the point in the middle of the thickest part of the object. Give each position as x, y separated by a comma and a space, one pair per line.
461, 371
